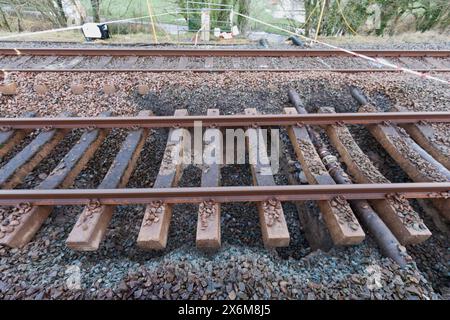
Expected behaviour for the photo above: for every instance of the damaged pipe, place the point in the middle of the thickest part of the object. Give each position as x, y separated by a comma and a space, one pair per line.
389, 245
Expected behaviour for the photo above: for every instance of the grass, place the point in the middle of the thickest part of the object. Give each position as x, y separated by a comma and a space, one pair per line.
123, 9
130, 38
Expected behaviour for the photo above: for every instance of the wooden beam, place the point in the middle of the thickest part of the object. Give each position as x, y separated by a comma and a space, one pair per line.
415, 161
397, 213
271, 216
29, 157
30, 218
155, 225
426, 136
10, 138
90, 228
208, 221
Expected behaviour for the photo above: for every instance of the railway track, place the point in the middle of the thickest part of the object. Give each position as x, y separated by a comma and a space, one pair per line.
346, 204
216, 60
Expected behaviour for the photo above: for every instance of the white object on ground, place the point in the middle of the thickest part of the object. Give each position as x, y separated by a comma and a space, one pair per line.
226, 35
91, 30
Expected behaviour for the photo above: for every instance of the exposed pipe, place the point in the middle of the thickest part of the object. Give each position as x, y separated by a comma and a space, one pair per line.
389, 245
358, 96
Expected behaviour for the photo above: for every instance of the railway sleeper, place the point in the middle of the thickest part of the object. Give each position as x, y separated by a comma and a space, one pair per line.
396, 212
182, 60
10, 138
311, 221
155, 225
43, 63
13, 173
208, 221
425, 135
345, 230
271, 216
15, 63
28, 219
341, 222
388, 243
90, 228
415, 161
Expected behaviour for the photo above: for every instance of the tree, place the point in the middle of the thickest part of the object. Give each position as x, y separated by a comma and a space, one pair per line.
310, 6
218, 18
244, 8
96, 10
59, 12
52, 10
5, 21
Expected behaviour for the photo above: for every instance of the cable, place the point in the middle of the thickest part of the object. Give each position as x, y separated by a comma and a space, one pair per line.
345, 19
320, 19
310, 15
150, 13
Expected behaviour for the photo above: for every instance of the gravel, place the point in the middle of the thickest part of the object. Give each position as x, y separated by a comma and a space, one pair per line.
227, 63
242, 268
350, 44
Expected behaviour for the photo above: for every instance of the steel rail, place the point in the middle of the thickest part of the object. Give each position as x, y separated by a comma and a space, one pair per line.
223, 120
218, 52
198, 70
223, 194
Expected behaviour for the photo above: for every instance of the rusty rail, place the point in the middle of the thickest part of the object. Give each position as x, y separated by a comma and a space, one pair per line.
222, 120
218, 52
223, 194
202, 70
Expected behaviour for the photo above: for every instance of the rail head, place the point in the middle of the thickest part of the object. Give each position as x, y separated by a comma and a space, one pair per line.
224, 194
218, 52
223, 120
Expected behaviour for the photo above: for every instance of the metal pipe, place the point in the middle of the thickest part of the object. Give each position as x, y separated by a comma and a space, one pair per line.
388, 243
358, 96
223, 120
297, 101
224, 194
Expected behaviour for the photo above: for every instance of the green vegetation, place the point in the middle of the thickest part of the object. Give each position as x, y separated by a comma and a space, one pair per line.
120, 9
340, 17
395, 16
